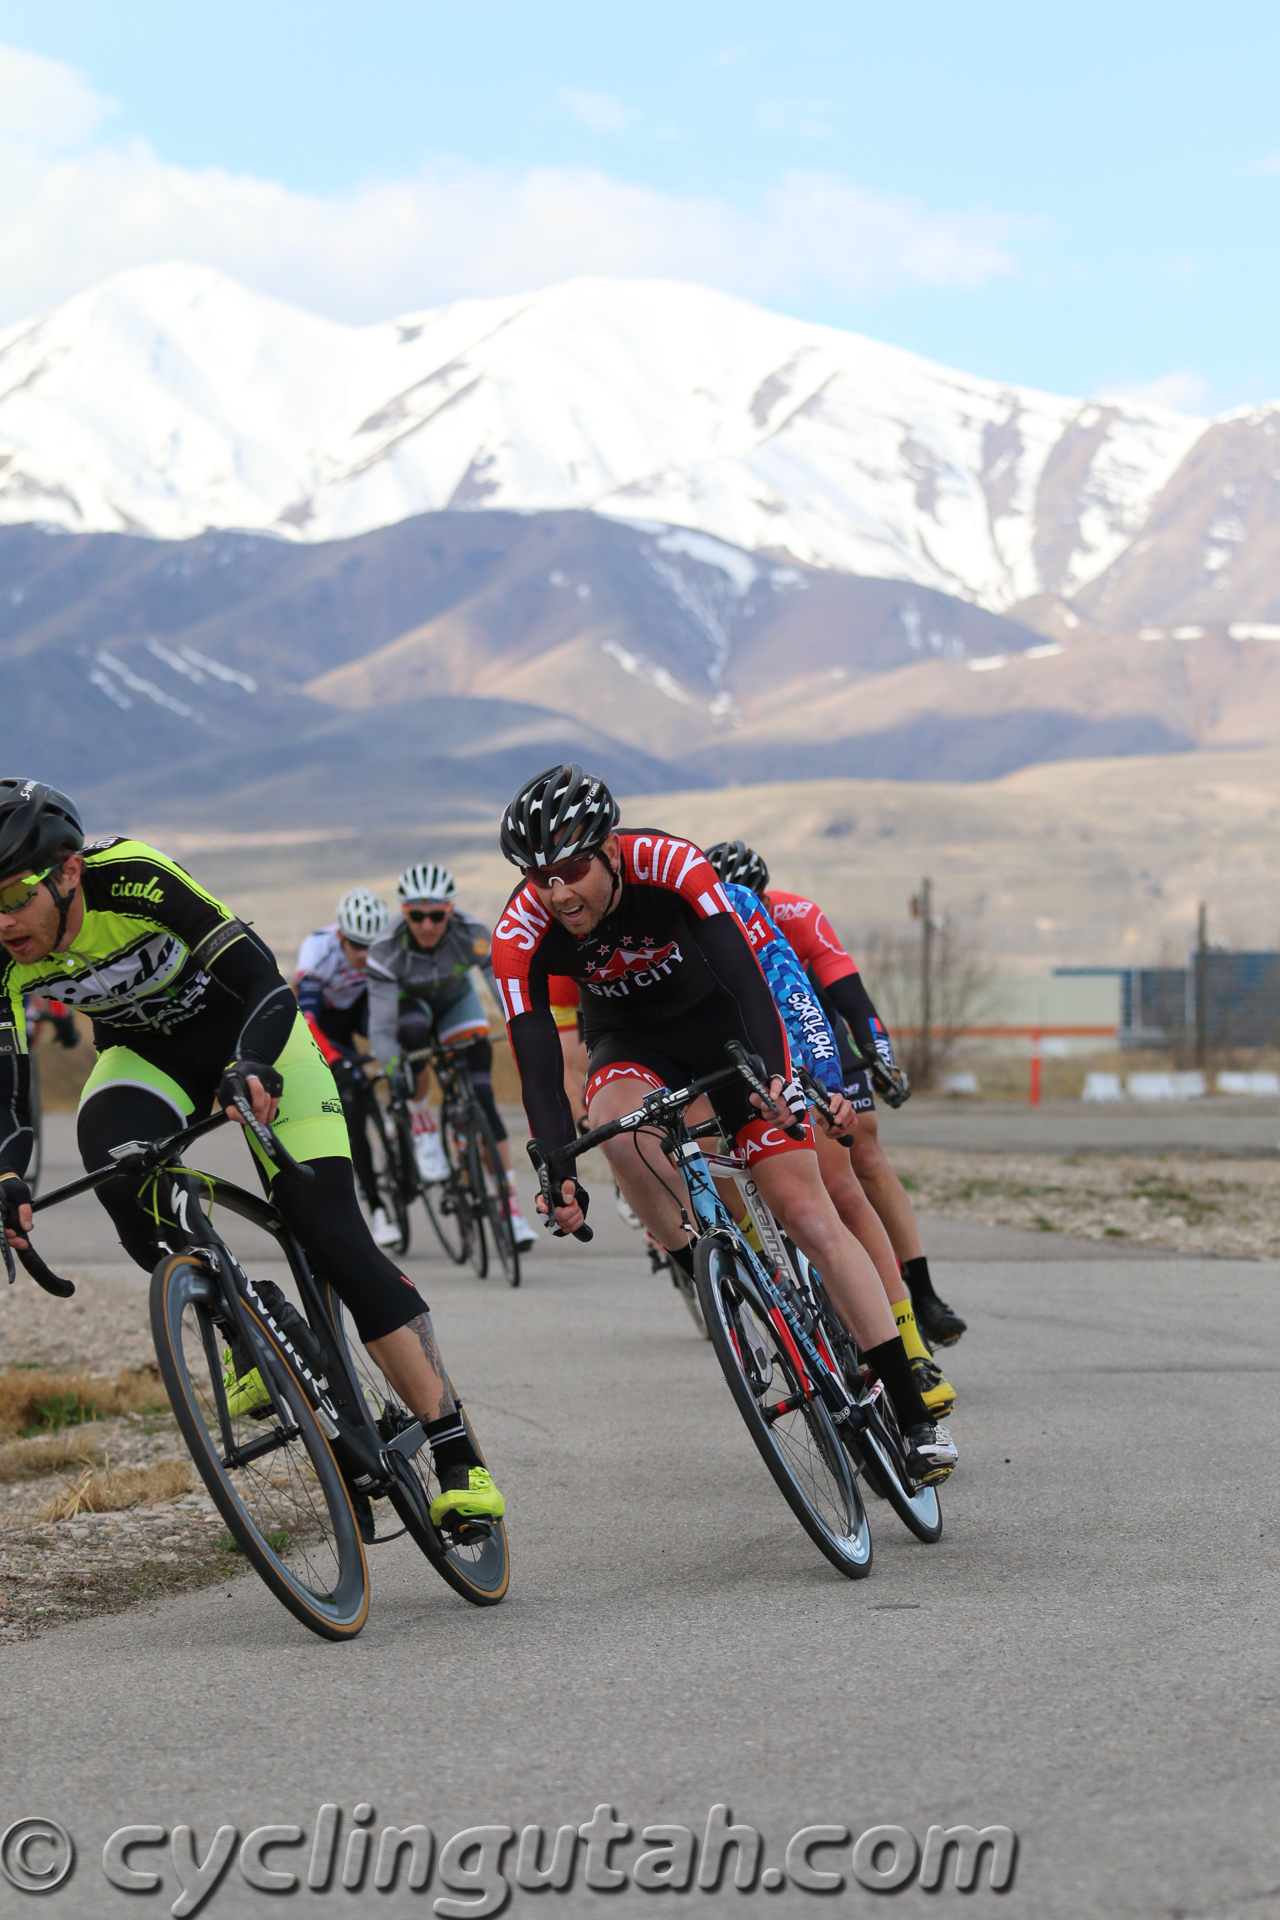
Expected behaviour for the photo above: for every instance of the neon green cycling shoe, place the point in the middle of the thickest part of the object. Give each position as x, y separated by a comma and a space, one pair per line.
246, 1392
467, 1493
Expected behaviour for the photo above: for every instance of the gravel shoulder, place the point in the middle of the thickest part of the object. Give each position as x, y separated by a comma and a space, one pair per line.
53, 1570
1229, 1208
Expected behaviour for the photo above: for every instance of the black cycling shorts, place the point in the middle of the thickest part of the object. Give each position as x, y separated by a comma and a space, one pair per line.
683, 1049
857, 1090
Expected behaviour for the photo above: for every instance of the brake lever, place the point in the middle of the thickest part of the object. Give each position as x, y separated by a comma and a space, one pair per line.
542, 1167
750, 1066
267, 1140
816, 1094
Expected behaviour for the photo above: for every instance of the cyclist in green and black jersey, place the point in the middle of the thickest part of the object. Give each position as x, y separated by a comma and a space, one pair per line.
180, 993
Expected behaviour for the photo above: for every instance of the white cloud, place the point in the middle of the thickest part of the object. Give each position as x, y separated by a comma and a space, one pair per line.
46, 102
601, 112
68, 219
1267, 166
1182, 391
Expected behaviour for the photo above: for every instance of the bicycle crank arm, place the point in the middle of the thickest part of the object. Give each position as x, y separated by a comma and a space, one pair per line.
411, 1441
269, 1443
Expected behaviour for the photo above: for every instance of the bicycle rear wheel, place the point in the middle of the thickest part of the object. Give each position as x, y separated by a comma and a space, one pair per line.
287, 1504
792, 1430
495, 1197
479, 1570
446, 1201
875, 1447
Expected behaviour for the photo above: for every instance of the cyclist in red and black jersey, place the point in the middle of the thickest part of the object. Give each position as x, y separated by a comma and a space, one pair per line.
848, 1006
667, 975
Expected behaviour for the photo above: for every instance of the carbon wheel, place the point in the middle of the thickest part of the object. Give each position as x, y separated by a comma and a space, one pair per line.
478, 1570
790, 1426
286, 1502
875, 1446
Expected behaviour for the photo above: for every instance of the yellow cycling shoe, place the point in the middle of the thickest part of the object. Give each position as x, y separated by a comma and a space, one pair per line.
246, 1392
936, 1391
467, 1493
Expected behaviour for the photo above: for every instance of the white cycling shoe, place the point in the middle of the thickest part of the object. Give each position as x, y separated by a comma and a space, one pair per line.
525, 1237
383, 1228
429, 1153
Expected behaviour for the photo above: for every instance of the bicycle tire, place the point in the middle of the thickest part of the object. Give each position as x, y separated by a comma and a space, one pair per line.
800, 1447
188, 1341
388, 1167
446, 1202
496, 1202
471, 1177
481, 1574
876, 1448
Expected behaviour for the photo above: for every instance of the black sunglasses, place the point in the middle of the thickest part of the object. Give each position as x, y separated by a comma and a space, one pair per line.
434, 914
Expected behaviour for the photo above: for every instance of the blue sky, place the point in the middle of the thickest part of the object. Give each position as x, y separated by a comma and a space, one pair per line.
1079, 198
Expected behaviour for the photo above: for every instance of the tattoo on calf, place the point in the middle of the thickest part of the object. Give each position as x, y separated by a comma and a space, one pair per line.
425, 1333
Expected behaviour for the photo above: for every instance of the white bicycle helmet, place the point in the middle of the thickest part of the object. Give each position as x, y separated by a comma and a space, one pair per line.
362, 916
426, 882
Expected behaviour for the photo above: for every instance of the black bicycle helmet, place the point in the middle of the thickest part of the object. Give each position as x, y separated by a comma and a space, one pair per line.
38, 826
736, 862
560, 812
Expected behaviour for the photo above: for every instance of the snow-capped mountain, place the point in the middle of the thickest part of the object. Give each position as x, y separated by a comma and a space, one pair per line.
170, 399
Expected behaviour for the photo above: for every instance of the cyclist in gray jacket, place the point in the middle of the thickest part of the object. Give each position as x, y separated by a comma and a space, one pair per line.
421, 989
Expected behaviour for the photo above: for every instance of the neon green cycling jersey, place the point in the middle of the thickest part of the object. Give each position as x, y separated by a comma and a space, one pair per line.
139, 964
161, 967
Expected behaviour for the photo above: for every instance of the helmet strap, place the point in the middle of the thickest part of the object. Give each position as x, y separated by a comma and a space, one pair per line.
63, 902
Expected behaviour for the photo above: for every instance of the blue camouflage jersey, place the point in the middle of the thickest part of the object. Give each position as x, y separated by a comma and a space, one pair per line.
813, 1044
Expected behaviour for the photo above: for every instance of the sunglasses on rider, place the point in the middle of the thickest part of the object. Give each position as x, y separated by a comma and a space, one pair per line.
434, 914
17, 894
567, 872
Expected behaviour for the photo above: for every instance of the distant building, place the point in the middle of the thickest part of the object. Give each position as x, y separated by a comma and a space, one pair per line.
1158, 1004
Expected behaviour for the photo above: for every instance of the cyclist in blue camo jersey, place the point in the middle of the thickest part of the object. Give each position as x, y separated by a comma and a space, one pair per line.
814, 1045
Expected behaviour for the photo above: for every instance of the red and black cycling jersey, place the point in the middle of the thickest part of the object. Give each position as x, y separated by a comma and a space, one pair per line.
670, 941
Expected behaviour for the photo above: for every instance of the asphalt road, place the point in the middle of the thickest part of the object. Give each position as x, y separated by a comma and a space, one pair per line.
1089, 1656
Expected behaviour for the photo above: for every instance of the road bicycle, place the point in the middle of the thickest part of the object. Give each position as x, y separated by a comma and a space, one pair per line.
295, 1475
820, 1425
471, 1208
358, 1078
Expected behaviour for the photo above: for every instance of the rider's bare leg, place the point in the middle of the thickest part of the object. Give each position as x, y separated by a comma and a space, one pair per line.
641, 1186
858, 1214
791, 1187
411, 1361
884, 1189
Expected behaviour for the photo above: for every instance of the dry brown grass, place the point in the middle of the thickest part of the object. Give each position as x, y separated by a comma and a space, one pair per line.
43, 1399
29, 1459
107, 1492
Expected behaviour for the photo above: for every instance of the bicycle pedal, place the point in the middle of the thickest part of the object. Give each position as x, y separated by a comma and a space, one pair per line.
465, 1533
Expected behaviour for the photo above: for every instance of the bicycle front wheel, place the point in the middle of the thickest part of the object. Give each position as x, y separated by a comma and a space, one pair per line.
791, 1428
495, 1197
479, 1569
388, 1168
446, 1201
275, 1482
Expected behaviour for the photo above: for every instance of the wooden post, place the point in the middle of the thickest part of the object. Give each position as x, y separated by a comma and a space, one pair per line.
1202, 985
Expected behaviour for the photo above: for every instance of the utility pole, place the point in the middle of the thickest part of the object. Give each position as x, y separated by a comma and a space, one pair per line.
1202, 985
922, 910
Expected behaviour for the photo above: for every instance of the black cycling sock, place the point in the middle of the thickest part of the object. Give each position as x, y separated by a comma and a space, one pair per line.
451, 1444
682, 1257
889, 1362
916, 1274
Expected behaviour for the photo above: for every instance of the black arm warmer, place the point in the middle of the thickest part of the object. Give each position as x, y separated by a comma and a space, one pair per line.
247, 968
853, 1003
535, 1042
727, 952
16, 1136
